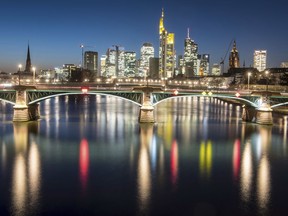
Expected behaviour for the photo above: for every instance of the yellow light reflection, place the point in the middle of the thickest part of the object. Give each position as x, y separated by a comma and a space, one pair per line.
246, 173
19, 189
263, 184
205, 159
34, 173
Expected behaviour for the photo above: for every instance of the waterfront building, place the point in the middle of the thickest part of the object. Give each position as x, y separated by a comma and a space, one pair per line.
260, 57
91, 61
129, 64
103, 65
204, 64
190, 56
154, 68
234, 57
284, 64
166, 51
215, 71
146, 52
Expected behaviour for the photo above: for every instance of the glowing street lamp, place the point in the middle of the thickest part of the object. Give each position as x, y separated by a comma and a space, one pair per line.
19, 70
267, 73
34, 70
249, 74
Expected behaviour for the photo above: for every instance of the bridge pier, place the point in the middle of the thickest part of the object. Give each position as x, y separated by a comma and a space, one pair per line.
261, 115
264, 112
146, 114
22, 111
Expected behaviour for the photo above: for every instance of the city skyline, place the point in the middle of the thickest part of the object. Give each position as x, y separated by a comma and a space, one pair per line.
55, 30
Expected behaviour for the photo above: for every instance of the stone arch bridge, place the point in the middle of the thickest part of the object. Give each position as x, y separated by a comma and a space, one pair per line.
257, 106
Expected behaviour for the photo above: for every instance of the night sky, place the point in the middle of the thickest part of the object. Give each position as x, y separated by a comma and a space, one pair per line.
55, 29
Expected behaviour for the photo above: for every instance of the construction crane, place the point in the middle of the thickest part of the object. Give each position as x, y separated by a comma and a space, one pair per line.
223, 58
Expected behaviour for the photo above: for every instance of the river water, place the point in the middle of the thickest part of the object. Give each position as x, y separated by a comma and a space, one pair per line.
88, 155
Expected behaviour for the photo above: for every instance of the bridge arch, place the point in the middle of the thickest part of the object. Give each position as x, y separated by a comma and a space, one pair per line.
79, 93
7, 101
280, 104
241, 100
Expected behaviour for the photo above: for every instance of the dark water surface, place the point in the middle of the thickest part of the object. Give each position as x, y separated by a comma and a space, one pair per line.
88, 155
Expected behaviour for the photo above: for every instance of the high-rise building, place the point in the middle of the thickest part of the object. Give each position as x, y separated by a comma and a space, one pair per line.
234, 57
103, 65
91, 61
110, 63
154, 68
216, 70
190, 56
129, 64
146, 52
166, 51
260, 57
204, 64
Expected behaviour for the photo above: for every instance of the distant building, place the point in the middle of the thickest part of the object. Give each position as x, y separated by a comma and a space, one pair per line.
146, 52
215, 71
204, 64
91, 61
166, 51
190, 56
154, 68
234, 57
284, 64
129, 64
260, 58
103, 65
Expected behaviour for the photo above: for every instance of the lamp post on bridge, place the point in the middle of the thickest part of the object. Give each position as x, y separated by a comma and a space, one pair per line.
19, 71
249, 74
34, 70
267, 73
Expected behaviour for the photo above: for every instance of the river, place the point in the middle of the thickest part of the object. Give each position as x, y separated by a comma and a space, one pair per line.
88, 155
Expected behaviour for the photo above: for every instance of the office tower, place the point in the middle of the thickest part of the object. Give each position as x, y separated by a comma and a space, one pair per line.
190, 56
204, 64
216, 70
111, 63
28, 67
146, 52
129, 64
166, 51
234, 57
154, 68
103, 65
91, 61
260, 57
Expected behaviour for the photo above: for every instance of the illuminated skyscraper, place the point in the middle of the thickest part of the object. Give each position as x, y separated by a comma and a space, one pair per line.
234, 57
147, 52
204, 64
111, 63
166, 51
260, 57
129, 64
103, 65
190, 56
91, 61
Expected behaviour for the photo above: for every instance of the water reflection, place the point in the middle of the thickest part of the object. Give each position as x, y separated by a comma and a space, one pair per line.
205, 157
84, 162
144, 169
26, 177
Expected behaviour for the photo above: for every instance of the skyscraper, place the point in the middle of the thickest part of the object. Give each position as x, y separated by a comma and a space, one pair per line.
91, 61
234, 57
129, 64
190, 56
260, 57
166, 51
147, 52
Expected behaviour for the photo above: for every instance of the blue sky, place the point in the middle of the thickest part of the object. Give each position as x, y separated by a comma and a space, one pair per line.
55, 29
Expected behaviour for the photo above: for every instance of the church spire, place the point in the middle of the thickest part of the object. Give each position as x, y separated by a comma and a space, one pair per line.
28, 61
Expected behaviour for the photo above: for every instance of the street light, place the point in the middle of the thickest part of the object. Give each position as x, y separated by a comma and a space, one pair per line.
19, 70
249, 74
266, 72
34, 70
82, 60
